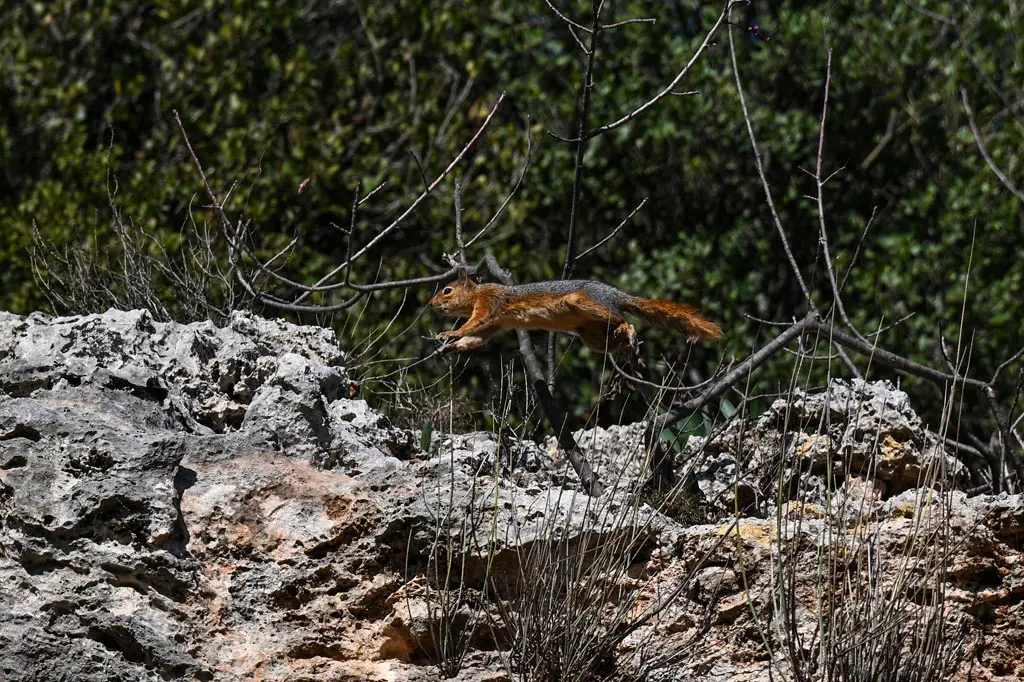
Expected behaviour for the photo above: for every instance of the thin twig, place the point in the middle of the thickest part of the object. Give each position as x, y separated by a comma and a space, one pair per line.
890, 131
661, 387
458, 222
613, 232
671, 86
345, 284
566, 19
572, 26
372, 192
768, 192
856, 251
1007, 183
218, 209
360, 290
581, 147
764, 180
627, 22
885, 328
820, 183
515, 188
430, 188
419, 167
351, 232
1005, 363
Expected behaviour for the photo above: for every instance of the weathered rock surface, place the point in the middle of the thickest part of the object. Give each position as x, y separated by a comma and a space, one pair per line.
182, 502
818, 445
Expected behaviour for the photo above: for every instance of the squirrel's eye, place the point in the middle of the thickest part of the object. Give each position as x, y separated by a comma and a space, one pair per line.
447, 291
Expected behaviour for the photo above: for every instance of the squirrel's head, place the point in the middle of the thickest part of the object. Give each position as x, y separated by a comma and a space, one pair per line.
456, 298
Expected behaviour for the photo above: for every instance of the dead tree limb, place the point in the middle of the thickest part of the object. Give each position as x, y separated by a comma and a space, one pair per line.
1007, 469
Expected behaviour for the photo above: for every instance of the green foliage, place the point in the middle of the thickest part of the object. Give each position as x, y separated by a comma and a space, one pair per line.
274, 92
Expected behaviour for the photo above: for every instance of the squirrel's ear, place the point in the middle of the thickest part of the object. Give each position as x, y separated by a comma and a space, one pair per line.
463, 276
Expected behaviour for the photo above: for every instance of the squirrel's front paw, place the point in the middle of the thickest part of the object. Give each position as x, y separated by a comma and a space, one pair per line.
447, 343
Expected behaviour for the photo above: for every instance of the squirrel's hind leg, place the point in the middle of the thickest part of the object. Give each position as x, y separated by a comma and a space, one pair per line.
607, 338
627, 336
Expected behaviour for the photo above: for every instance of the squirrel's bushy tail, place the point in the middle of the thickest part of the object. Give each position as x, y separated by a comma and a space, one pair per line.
676, 316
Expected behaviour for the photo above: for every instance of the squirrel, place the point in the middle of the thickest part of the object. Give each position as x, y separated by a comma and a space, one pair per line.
593, 311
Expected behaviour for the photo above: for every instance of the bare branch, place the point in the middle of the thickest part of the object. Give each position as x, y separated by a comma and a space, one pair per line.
581, 147
237, 246
822, 231
1007, 183
579, 41
218, 209
768, 192
458, 222
351, 232
569, 140
364, 288
613, 232
732, 377
515, 188
1005, 363
572, 26
430, 188
671, 86
907, 366
856, 251
419, 167
885, 328
565, 18
372, 192
627, 22
764, 180
890, 131
812, 324
661, 387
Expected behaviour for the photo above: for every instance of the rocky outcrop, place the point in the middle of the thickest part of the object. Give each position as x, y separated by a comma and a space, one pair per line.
187, 502
854, 440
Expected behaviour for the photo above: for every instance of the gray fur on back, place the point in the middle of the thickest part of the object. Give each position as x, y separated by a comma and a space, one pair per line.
604, 294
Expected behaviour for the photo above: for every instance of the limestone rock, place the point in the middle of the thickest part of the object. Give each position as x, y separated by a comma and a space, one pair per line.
187, 502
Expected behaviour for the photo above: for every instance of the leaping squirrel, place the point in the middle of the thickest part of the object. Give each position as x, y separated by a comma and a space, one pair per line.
591, 310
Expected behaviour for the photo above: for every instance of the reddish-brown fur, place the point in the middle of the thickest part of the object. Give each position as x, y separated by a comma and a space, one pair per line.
588, 309
676, 316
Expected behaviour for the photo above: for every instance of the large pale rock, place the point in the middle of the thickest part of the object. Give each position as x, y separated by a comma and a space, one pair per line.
187, 502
